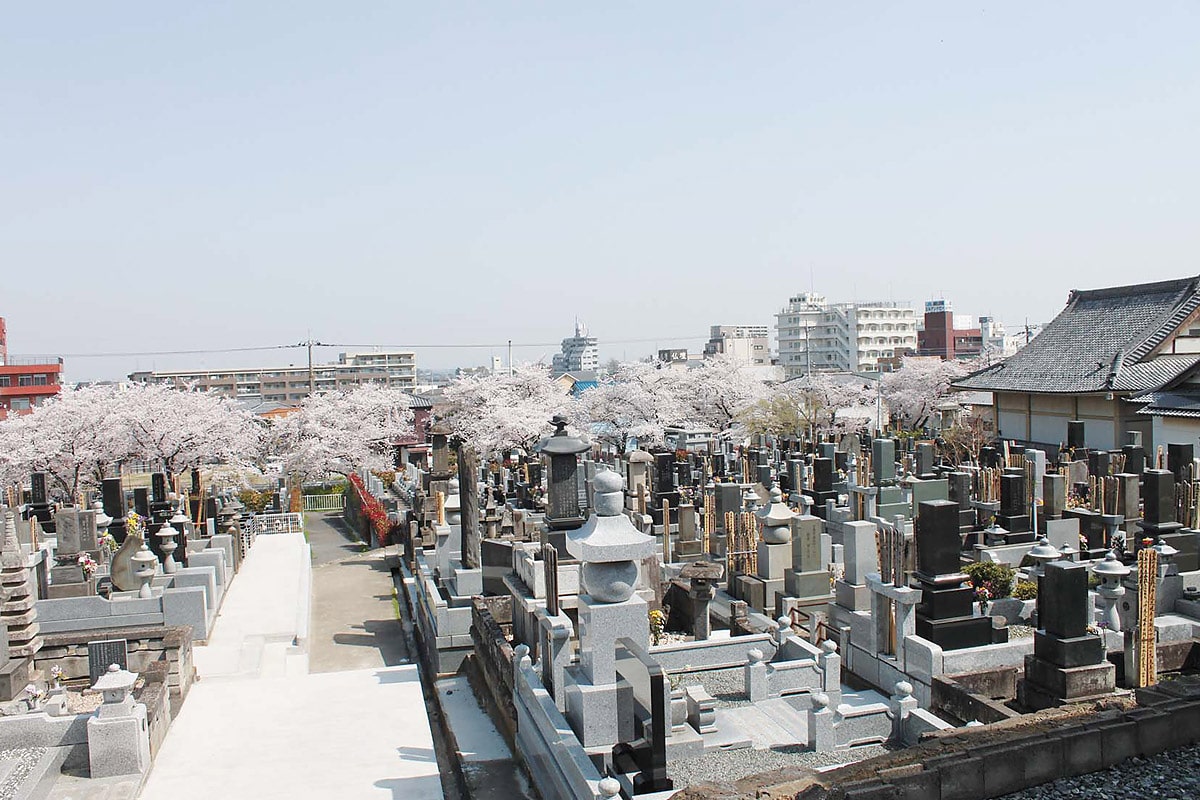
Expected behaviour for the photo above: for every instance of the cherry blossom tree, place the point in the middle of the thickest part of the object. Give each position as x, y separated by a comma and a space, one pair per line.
714, 394
912, 392
634, 403
343, 431
815, 404
178, 430
495, 413
72, 438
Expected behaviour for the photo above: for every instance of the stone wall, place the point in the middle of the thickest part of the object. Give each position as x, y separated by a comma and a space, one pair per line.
494, 657
991, 761
148, 648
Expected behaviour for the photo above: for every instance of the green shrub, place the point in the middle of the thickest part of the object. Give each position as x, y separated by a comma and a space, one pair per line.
1025, 590
996, 578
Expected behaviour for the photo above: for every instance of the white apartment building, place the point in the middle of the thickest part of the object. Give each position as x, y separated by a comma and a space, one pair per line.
746, 344
816, 336
395, 368
579, 353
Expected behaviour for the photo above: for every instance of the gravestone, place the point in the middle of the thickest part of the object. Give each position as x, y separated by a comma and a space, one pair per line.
822, 490
808, 576
945, 613
1014, 513
1135, 458
1067, 664
1076, 431
924, 460
104, 653
1158, 506
1054, 499
929, 489
1179, 461
883, 461
960, 493
113, 499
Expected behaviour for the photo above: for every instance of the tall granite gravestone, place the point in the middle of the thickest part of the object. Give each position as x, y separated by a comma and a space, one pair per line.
1014, 513
39, 503
1076, 440
822, 490
689, 547
890, 499
924, 461
562, 492
1068, 663
113, 497
808, 577
1158, 516
1135, 458
468, 492
1179, 461
945, 613
665, 489
960, 493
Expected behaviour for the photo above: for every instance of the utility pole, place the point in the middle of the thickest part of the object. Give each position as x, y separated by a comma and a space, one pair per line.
510, 368
310, 343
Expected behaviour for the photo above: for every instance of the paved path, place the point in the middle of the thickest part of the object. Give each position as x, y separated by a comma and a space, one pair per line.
354, 622
355, 727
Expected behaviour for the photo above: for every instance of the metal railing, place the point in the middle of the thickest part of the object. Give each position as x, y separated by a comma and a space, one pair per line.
277, 523
324, 502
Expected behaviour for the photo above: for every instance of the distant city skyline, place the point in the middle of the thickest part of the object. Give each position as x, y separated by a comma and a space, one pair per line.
214, 177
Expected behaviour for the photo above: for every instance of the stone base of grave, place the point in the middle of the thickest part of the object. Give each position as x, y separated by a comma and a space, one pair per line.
56, 591
1078, 651
14, 677
814, 583
688, 550
852, 596
1013, 523
957, 633
1047, 685
819, 499
601, 716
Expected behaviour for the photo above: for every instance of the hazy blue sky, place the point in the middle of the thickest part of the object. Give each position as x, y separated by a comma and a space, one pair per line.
214, 175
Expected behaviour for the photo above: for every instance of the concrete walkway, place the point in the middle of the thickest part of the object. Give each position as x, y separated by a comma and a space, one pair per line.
358, 729
354, 622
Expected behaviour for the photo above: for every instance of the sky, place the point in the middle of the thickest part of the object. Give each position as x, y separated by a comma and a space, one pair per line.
222, 175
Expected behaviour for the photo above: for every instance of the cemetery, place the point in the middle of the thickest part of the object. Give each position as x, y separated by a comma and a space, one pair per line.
803, 602
641, 619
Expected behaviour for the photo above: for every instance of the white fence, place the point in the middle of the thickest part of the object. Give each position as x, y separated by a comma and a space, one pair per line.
277, 523
324, 502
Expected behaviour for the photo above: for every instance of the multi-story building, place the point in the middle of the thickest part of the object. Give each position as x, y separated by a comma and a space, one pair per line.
816, 336
397, 368
948, 335
746, 344
25, 382
579, 353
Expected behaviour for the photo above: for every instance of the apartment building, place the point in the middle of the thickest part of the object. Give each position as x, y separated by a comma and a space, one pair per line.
580, 353
25, 382
396, 368
817, 336
746, 344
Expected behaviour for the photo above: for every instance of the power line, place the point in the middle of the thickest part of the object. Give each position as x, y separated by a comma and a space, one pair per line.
442, 346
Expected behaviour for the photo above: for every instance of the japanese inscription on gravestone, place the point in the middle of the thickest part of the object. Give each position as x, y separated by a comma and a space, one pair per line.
105, 652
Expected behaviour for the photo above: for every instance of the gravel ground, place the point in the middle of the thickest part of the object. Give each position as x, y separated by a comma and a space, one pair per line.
732, 765
1020, 632
727, 686
26, 758
1174, 775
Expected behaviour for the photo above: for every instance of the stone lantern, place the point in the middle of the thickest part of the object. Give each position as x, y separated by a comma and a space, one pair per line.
1043, 553
144, 564
776, 519
118, 741
562, 491
1111, 572
608, 545
609, 548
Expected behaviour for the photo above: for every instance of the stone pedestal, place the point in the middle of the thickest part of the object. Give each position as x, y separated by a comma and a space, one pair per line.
1067, 664
944, 615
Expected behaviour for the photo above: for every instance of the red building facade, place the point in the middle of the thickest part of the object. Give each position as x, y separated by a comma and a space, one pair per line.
940, 337
25, 383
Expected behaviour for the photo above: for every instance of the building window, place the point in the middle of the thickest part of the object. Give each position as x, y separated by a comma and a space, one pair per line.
19, 403
5, 381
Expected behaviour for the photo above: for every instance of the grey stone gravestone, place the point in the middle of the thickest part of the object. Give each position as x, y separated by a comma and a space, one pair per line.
105, 652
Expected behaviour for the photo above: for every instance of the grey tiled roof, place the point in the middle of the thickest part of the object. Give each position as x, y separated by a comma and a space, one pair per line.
1100, 342
1182, 403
